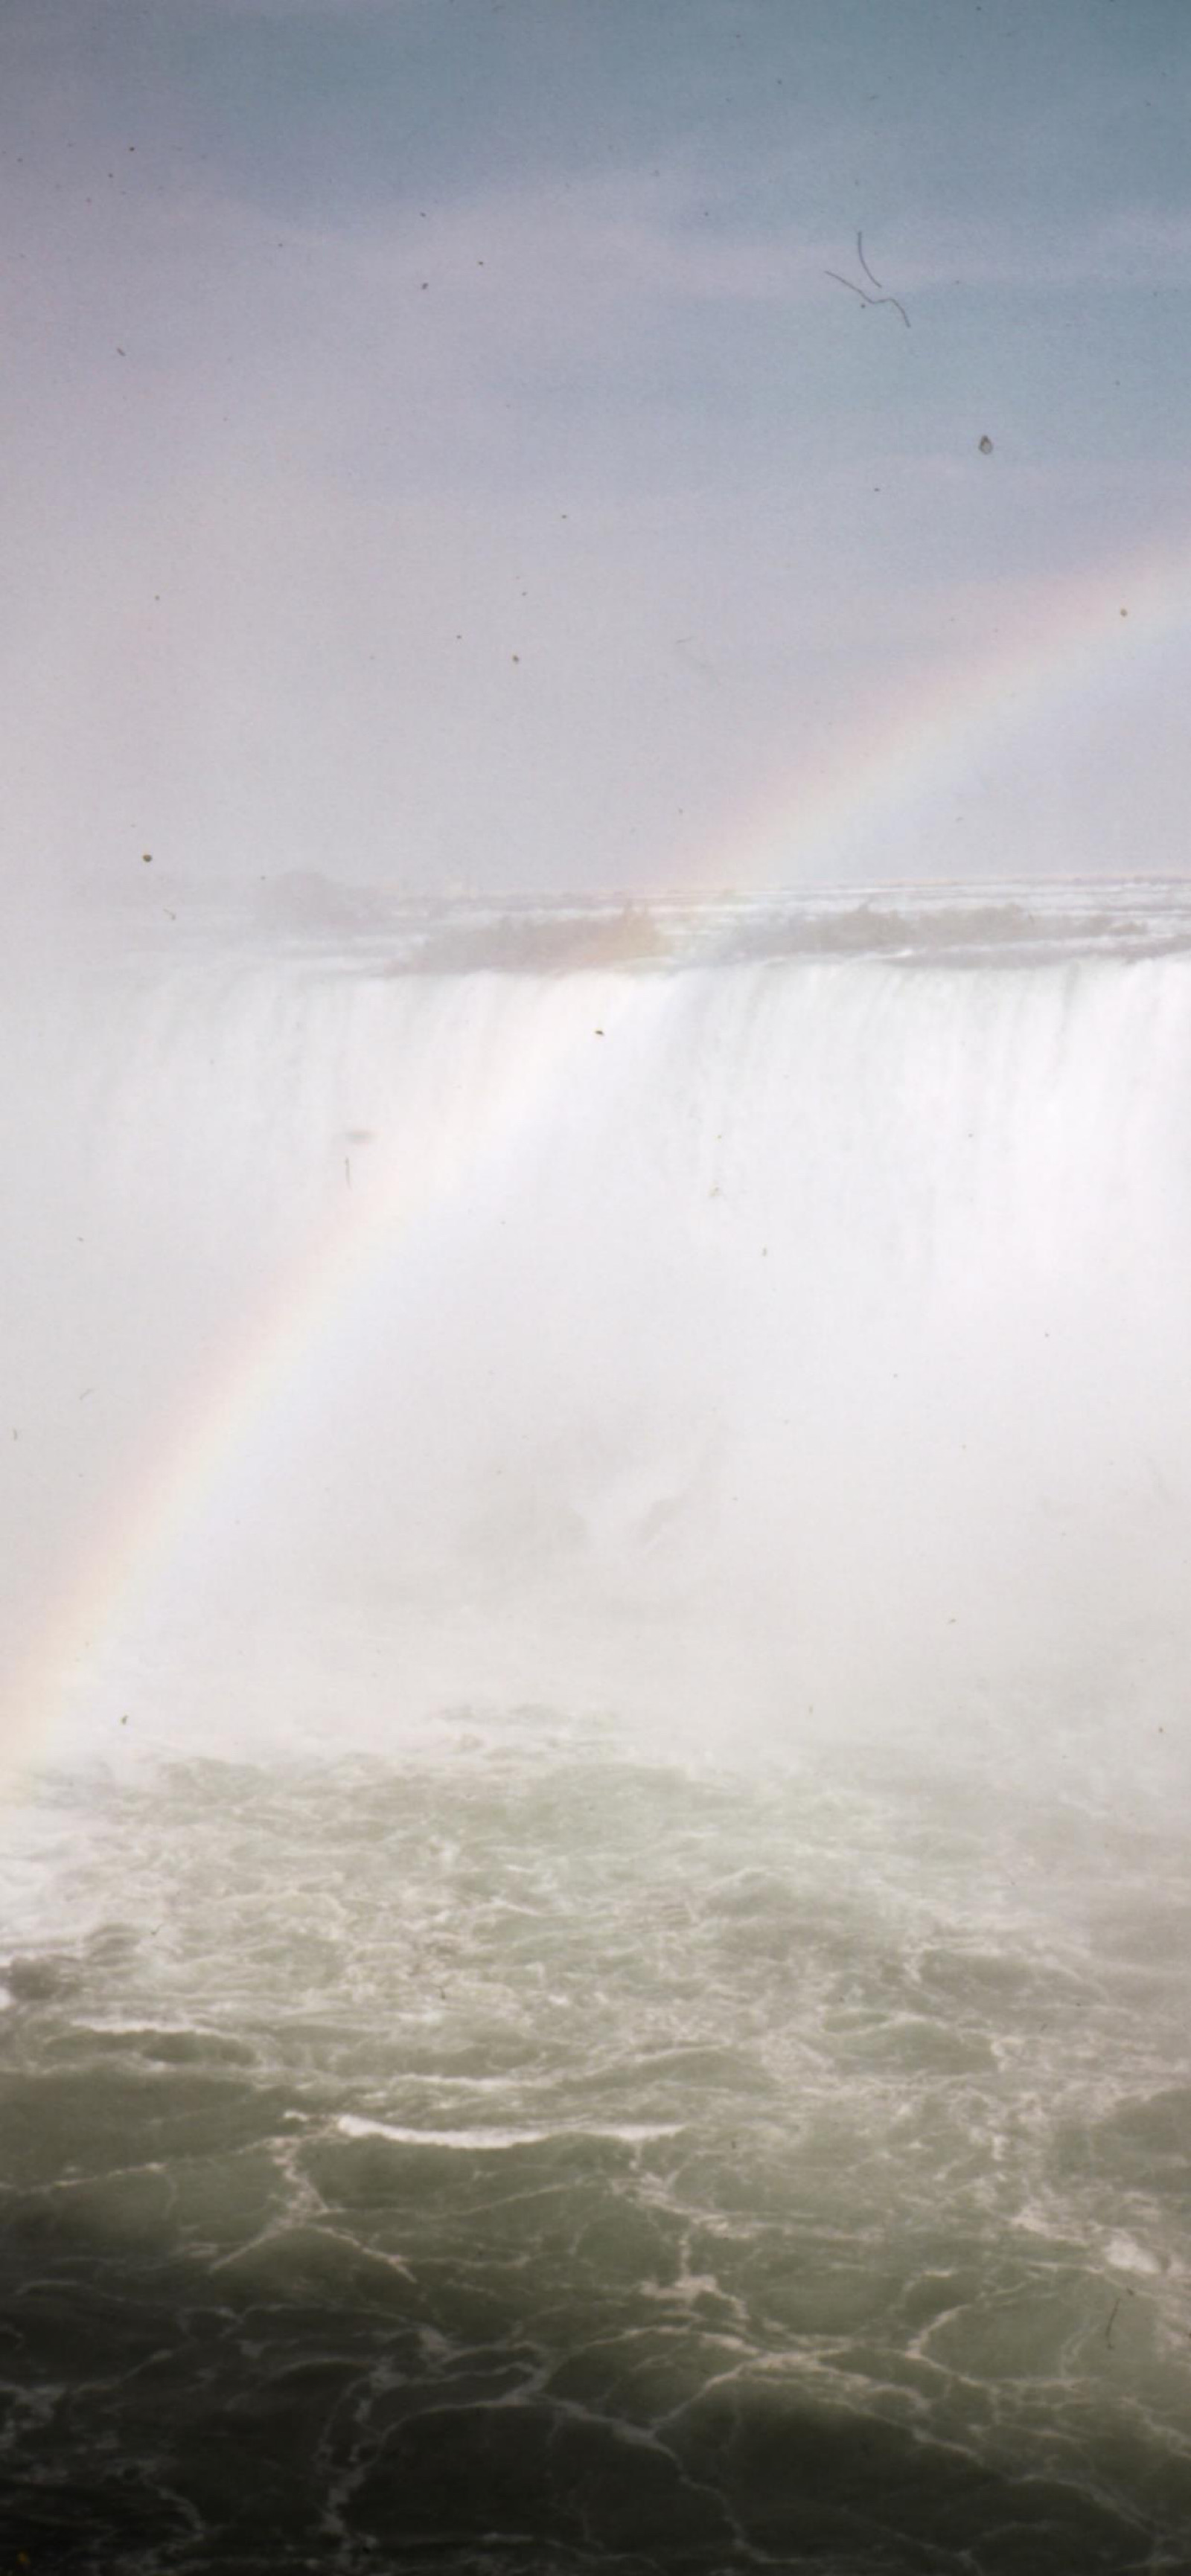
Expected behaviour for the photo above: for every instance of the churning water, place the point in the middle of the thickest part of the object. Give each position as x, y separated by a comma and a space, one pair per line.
594, 1859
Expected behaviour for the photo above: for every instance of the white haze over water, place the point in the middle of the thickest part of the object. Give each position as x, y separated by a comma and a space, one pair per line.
754, 1320
593, 1920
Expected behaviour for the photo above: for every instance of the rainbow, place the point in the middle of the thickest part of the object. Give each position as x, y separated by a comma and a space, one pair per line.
1066, 650
188, 1461
924, 742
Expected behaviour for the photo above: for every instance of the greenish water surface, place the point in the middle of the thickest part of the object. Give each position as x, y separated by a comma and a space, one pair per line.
536, 2159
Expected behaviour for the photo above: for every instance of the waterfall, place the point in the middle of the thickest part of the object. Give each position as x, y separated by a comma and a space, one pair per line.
749, 1347
593, 1928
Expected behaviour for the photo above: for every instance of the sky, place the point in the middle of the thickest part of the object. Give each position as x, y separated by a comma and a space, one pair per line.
437, 451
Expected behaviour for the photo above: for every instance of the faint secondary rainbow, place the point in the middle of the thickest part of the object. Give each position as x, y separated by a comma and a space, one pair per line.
925, 743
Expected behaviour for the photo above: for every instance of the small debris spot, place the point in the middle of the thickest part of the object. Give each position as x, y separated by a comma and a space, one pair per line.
986, 446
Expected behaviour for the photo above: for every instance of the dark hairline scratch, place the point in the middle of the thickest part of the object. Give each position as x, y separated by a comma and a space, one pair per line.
854, 289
